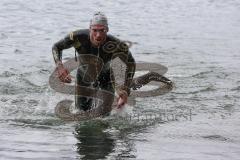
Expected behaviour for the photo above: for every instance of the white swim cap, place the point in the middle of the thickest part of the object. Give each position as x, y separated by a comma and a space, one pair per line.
99, 18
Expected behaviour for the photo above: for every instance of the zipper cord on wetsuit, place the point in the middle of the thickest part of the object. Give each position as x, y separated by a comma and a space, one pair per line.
97, 58
96, 83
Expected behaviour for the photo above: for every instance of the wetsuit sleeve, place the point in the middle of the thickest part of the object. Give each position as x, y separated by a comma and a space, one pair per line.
65, 43
130, 70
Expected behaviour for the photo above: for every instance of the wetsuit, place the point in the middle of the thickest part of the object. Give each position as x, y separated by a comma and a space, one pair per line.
111, 49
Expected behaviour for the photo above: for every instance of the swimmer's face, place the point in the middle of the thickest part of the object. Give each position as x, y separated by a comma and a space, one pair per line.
98, 34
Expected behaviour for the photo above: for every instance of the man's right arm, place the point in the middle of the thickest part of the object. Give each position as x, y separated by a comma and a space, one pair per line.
57, 49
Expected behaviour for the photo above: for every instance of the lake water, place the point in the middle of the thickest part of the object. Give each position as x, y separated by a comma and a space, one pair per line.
198, 40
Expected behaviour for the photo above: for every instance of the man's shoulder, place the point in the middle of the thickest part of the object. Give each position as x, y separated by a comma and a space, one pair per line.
115, 39
80, 33
110, 37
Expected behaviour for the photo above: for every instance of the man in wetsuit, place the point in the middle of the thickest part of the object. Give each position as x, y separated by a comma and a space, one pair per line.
99, 45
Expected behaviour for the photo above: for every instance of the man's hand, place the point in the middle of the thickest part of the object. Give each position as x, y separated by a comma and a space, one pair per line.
63, 74
122, 99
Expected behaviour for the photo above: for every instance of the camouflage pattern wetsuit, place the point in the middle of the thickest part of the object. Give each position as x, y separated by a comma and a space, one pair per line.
111, 49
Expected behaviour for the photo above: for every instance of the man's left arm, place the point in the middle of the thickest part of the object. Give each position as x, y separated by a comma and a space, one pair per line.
124, 90
130, 71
